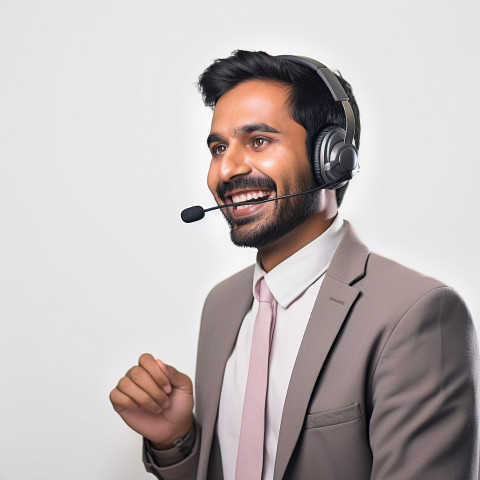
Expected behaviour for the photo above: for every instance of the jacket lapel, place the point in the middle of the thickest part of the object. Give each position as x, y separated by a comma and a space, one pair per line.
335, 298
222, 342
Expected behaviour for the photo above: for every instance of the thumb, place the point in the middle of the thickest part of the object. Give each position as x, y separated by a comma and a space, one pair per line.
177, 379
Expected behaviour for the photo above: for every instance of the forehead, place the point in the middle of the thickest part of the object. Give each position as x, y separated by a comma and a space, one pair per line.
253, 101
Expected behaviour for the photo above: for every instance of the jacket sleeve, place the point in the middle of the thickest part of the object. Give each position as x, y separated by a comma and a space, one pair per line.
424, 422
185, 469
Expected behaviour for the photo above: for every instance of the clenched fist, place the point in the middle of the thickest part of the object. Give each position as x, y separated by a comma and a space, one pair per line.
155, 400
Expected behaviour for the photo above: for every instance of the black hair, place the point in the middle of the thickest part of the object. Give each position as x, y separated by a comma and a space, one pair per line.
310, 102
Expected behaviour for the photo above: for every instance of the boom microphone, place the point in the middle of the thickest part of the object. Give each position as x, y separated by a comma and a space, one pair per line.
193, 214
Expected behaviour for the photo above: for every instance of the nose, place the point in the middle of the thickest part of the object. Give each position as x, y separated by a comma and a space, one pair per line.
233, 162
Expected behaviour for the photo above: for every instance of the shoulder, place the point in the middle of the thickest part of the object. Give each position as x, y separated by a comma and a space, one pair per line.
384, 274
388, 289
235, 286
379, 280
397, 294
239, 280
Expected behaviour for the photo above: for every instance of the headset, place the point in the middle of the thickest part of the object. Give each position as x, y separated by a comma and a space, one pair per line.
335, 157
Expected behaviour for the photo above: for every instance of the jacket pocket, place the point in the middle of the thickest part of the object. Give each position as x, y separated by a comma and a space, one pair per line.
332, 417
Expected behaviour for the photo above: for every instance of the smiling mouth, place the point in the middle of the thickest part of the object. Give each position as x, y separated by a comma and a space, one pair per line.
248, 198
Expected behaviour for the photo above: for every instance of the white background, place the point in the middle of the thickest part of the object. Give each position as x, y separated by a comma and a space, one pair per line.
102, 143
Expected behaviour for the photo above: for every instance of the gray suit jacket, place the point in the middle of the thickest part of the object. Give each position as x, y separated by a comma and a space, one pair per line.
384, 386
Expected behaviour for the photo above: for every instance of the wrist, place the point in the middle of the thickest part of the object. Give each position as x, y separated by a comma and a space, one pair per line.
179, 438
171, 456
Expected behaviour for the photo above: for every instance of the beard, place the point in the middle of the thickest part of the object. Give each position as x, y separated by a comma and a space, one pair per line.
288, 213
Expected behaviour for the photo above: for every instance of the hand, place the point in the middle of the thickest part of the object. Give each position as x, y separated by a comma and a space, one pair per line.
155, 400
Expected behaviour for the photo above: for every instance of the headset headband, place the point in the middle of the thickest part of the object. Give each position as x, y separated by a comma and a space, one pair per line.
335, 88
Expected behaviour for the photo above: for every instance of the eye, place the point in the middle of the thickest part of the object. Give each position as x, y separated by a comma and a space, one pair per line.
259, 142
218, 149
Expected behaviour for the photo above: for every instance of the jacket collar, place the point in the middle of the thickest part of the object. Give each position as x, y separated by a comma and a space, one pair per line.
349, 262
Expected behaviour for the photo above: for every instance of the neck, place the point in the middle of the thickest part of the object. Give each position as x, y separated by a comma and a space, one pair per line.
276, 252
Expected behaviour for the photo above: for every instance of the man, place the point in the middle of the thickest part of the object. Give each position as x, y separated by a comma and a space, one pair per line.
372, 368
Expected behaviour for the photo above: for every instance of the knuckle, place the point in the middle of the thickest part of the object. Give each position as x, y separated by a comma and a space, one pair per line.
117, 406
148, 403
123, 384
161, 398
119, 402
145, 357
135, 373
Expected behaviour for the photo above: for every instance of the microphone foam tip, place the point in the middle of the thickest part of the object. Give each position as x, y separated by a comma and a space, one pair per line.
192, 214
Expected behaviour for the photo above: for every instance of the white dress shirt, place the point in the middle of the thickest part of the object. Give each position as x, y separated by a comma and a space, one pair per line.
294, 284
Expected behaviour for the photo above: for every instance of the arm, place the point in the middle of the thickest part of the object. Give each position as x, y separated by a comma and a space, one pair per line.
156, 401
424, 422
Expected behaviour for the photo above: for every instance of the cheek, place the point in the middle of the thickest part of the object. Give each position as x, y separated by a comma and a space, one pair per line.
270, 164
274, 162
286, 167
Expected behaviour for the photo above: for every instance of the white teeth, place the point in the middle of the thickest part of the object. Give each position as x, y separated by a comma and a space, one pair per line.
249, 196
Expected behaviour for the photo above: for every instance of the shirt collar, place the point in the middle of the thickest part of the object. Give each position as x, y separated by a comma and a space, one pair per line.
288, 280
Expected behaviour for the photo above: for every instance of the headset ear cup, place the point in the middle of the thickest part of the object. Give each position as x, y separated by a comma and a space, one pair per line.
316, 161
324, 143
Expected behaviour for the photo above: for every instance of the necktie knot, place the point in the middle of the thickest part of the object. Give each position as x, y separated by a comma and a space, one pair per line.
262, 292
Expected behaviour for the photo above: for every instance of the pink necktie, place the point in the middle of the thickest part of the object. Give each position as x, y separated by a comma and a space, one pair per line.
250, 449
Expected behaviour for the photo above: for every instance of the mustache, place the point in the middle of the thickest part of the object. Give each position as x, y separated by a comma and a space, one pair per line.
224, 188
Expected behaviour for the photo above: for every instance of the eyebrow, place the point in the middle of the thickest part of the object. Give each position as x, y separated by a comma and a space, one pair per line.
244, 129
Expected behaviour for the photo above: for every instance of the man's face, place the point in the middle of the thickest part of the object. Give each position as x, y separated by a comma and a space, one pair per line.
258, 151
